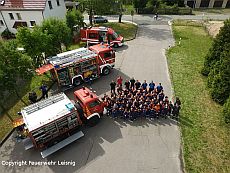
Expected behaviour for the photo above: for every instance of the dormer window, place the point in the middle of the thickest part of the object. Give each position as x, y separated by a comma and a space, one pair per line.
58, 3
19, 16
50, 5
11, 16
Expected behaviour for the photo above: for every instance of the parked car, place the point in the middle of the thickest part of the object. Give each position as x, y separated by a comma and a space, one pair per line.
100, 19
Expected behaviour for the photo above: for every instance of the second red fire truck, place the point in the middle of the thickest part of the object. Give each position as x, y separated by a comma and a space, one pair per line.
80, 65
95, 35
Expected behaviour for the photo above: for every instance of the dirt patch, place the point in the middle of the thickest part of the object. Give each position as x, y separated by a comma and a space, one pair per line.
213, 27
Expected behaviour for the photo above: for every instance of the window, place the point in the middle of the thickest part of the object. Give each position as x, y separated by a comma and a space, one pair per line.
50, 5
32, 23
19, 16
1, 23
94, 103
107, 55
92, 35
11, 16
58, 3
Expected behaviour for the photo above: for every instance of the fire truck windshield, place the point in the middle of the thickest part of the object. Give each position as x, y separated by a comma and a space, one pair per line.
94, 103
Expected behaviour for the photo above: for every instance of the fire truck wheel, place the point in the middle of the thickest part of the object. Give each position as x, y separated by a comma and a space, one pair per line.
106, 71
93, 121
77, 81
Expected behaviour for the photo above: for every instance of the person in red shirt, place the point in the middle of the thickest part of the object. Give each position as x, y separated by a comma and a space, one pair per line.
119, 81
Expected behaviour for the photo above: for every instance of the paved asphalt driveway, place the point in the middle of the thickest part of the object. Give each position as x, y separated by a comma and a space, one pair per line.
116, 146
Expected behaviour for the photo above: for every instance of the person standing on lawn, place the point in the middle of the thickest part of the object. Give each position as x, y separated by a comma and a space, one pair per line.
44, 90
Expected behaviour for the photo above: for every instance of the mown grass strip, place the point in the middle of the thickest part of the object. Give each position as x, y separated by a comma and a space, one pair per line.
205, 136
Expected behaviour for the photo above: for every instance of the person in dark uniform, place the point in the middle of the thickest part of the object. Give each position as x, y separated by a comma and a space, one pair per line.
144, 85
44, 90
161, 96
137, 84
151, 86
113, 87
132, 82
127, 84
159, 88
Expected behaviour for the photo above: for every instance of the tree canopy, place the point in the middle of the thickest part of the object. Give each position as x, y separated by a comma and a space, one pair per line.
46, 39
217, 65
58, 34
35, 42
74, 18
14, 65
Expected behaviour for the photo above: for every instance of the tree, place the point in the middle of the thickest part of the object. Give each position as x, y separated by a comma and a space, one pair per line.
217, 65
139, 3
58, 34
35, 42
220, 44
219, 78
14, 66
74, 18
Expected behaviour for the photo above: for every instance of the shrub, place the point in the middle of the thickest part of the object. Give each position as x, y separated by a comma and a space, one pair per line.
6, 34
219, 79
217, 65
226, 111
221, 43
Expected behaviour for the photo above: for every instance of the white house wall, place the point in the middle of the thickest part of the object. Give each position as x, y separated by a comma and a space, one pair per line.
57, 11
26, 16
2, 27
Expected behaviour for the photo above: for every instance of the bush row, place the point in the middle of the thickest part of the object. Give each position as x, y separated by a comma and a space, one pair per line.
217, 69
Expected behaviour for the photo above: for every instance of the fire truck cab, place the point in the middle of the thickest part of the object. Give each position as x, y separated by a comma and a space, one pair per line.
80, 65
95, 35
90, 105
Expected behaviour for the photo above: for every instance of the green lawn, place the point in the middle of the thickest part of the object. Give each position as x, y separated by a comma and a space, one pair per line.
127, 30
205, 136
16, 104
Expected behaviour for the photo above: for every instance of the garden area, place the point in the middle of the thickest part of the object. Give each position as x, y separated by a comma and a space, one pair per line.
205, 135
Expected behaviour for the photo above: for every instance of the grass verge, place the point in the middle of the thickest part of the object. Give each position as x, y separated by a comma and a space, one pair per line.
200, 11
127, 30
16, 104
205, 136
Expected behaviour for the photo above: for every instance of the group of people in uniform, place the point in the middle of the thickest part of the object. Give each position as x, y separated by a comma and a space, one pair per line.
139, 100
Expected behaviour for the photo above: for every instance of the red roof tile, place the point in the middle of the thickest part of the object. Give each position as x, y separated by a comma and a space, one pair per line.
23, 5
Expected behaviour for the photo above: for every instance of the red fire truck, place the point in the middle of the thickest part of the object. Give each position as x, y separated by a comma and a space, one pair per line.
53, 123
81, 65
95, 35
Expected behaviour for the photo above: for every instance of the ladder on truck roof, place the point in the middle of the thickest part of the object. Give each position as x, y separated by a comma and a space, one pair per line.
44, 103
71, 56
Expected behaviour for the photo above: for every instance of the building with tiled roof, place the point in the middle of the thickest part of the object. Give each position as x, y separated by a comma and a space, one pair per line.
15, 13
